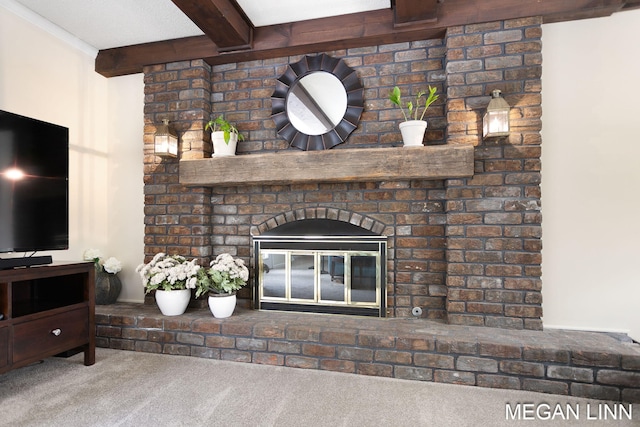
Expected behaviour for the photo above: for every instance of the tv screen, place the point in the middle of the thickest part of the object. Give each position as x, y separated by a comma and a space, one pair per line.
34, 176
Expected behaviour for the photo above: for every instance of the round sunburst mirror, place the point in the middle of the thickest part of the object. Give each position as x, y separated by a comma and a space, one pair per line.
317, 103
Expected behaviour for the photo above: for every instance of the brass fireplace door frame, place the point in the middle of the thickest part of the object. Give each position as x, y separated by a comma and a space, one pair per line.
347, 248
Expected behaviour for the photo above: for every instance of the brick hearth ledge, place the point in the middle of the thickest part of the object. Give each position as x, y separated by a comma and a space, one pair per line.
583, 364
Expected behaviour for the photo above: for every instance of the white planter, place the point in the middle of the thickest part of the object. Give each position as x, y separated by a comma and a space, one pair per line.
413, 132
173, 303
222, 305
221, 148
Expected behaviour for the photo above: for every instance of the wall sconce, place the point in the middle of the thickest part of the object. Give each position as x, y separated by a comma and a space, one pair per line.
166, 140
496, 120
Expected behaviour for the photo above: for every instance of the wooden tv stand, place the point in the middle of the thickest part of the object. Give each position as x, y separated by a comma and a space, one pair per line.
48, 310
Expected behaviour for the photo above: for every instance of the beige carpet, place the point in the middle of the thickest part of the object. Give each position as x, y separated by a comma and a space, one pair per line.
139, 389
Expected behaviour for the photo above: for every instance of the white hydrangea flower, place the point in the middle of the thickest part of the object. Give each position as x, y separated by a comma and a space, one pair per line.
158, 278
112, 265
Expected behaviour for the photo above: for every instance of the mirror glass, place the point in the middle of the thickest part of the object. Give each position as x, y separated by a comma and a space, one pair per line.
316, 103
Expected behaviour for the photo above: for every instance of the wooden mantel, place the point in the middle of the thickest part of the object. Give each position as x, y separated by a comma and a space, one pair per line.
338, 165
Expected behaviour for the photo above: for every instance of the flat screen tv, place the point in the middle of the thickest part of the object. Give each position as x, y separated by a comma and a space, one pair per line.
34, 189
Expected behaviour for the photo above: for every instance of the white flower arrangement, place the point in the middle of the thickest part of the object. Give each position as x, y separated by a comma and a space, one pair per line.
168, 272
111, 265
226, 274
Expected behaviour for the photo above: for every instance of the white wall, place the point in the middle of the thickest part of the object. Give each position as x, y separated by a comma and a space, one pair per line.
125, 180
48, 75
591, 174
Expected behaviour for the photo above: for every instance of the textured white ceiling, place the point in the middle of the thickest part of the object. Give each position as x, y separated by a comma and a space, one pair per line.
113, 23
104, 24
270, 12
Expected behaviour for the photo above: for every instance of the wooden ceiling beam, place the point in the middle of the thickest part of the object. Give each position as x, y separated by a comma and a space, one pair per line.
347, 31
464, 12
121, 61
316, 35
411, 11
631, 4
220, 21
326, 34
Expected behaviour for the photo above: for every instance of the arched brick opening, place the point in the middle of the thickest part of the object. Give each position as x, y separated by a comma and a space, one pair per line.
335, 214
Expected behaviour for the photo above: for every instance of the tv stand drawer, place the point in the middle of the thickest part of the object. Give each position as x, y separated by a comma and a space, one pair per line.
51, 335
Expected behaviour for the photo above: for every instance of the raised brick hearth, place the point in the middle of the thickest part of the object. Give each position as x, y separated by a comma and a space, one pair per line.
585, 364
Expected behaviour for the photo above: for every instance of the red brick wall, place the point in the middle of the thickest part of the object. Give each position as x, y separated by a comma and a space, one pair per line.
177, 219
493, 219
471, 247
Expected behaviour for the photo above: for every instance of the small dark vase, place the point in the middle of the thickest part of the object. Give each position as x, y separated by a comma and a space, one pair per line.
108, 287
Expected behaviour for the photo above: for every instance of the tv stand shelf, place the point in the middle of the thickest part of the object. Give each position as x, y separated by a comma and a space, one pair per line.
47, 310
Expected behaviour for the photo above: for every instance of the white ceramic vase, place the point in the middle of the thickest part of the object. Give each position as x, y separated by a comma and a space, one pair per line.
413, 132
220, 147
174, 302
222, 305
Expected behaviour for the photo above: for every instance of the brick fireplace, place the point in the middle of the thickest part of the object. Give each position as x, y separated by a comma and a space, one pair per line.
465, 250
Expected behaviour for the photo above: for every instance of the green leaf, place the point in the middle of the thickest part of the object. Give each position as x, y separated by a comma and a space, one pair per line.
395, 97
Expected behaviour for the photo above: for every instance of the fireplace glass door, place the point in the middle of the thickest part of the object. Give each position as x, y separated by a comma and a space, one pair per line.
320, 280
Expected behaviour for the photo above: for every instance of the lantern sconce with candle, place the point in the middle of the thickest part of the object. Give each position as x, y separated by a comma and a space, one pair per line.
165, 141
495, 122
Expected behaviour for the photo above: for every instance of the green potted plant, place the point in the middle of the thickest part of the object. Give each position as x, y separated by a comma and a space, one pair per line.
224, 136
171, 277
413, 129
220, 281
